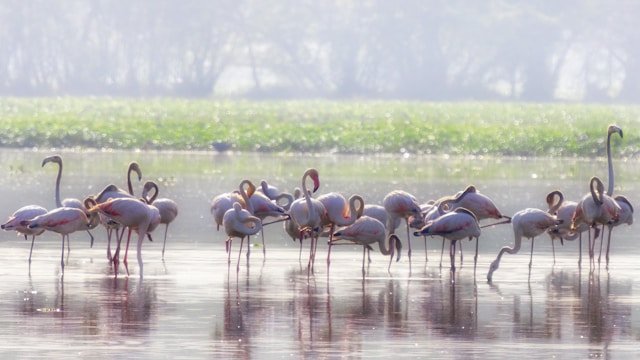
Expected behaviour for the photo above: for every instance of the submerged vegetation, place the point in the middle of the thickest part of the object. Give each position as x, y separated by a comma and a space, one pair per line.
319, 126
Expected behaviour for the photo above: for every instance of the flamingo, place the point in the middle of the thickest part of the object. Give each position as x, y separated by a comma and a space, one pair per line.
366, 231
276, 195
19, 221
68, 202
64, 221
223, 202
307, 213
400, 204
455, 225
238, 222
291, 228
339, 212
112, 192
564, 210
625, 216
527, 223
612, 129
132, 213
595, 208
479, 204
262, 207
167, 208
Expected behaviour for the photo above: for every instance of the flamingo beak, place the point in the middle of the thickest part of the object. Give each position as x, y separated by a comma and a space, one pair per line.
316, 184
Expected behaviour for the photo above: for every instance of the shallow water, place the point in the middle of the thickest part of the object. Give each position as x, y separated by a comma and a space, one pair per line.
194, 305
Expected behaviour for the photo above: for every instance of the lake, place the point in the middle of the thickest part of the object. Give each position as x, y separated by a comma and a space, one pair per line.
193, 304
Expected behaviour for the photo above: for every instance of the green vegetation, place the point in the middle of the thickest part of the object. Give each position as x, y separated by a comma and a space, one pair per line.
319, 126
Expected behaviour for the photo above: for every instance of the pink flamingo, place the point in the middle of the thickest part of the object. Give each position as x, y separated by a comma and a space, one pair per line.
339, 212
132, 213
262, 207
307, 213
112, 192
276, 195
625, 216
479, 204
527, 223
222, 203
68, 202
64, 221
595, 208
19, 221
238, 222
400, 204
167, 208
291, 228
455, 225
366, 231
564, 210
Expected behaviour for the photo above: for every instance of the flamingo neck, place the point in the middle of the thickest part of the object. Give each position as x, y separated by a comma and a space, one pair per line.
382, 243
58, 201
244, 194
311, 211
610, 165
596, 194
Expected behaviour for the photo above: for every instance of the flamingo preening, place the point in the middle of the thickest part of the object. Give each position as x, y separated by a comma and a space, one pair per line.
19, 221
564, 210
239, 223
167, 208
68, 202
527, 223
339, 213
400, 204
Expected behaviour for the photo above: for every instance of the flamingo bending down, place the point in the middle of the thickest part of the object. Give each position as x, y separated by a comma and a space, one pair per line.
527, 223
68, 202
64, 221
366, 231
131, 213
238, 222
19, 221
400, 204
455, 225
307, 213
168, 208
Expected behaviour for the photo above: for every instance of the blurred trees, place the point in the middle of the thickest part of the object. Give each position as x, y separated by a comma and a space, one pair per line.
405, 49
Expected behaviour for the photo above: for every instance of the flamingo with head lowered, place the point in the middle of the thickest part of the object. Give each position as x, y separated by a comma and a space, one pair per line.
168, 208
400, 205
564, 210
239, 223
339, 212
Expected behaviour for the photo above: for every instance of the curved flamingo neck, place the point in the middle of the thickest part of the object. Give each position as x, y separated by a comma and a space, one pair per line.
145, 192
58, 161
133, 167
246, 194
610, 165
311, 211
382, 243
554, 206
596, 188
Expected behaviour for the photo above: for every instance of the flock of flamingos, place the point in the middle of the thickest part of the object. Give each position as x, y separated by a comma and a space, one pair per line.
242, 213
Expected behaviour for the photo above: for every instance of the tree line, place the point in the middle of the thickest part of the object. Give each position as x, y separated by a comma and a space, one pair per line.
583, 50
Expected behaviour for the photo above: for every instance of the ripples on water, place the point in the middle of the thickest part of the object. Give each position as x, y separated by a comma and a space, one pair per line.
193, 305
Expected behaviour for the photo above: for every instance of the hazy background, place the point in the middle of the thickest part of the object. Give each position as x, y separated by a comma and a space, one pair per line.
552, 50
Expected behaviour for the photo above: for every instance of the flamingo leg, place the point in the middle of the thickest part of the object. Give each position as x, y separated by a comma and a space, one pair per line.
475, 257
392, 250
531, 256
91, 235
228, 248
426, 253
580, 250
239, 255
141, 235
452, 254
33, 239
364, 251
165, 239
126, 250
442, 252
608, 245
248, 247
62, 254
553, 248
408, 242
601, 241
461, 255
264, 248
109, 234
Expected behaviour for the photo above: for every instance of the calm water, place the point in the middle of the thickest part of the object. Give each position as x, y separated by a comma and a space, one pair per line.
192, 305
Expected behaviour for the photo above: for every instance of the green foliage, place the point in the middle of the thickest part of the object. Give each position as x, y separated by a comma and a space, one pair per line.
512, 129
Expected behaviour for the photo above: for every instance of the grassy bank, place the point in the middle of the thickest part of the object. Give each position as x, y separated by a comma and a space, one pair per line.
319, 126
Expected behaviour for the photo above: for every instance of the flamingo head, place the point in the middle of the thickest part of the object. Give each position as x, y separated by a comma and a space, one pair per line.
493, 267
313, 174
133, 166
614, 129
53, 158
395, 244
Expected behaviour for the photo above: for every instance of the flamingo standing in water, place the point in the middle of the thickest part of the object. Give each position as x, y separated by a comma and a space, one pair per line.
400, 204
595, 208
339, 212
112, 191
527, 223
222, 203
291, 228
564, 210
132, 213
307, 213
455, 225
68, 202
167, 208
19, 221
238, 222
366, 231
64, 221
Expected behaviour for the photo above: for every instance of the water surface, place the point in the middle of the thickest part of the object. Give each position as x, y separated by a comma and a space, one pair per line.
193, 305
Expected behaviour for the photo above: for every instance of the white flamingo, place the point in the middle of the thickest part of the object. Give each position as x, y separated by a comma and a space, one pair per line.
339, 212
307, 212
239, 223
400, 205
167, 208
527, 223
